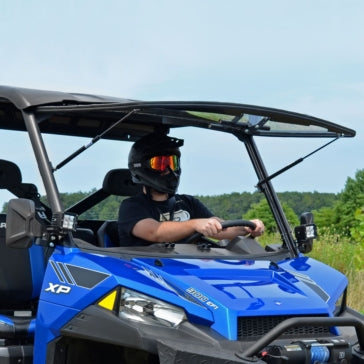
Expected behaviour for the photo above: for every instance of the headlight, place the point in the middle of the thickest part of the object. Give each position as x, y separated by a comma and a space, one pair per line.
139, 307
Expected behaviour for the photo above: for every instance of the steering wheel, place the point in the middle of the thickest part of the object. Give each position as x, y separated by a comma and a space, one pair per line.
225, 224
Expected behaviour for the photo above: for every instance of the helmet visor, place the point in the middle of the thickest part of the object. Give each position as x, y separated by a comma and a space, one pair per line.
161, 162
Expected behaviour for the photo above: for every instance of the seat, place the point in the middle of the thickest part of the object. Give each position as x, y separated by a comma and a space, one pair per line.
117, 182
85, 234
107, 234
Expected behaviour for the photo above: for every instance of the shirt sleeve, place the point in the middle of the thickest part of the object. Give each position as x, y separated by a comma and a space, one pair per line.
131, 211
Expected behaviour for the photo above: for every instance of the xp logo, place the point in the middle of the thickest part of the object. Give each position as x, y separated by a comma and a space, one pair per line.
57, 288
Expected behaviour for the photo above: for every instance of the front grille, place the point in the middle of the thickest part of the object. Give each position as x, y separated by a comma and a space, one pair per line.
254, 327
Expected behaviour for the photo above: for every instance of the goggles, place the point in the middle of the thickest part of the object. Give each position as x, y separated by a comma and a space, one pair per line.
161, 162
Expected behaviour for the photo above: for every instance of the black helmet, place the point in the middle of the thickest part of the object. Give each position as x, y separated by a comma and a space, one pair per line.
152, 155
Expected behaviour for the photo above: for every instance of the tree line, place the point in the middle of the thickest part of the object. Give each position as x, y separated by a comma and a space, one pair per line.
236, 205
343, 212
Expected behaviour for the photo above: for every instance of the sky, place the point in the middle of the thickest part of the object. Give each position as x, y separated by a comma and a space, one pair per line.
302, 56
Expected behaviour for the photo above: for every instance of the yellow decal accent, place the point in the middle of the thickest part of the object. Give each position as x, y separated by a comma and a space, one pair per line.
109, 301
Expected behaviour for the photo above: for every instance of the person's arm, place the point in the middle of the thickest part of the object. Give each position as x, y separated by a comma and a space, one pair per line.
230, 233
172, 231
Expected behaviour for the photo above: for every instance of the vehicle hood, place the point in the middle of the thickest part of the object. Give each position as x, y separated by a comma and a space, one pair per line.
222, 294
248, 287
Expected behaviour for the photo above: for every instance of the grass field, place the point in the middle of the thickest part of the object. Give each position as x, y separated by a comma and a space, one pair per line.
341, 254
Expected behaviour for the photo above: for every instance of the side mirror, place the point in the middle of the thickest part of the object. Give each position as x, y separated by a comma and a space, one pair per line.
306, 232
22, 223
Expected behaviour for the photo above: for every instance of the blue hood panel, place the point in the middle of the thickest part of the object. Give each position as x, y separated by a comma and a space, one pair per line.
251, 288
213, 292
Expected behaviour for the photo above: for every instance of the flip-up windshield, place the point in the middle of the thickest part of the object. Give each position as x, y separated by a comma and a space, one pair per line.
139, 118
273, 122
90, 115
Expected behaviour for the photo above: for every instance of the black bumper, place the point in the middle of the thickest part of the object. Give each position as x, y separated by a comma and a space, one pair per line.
199, 344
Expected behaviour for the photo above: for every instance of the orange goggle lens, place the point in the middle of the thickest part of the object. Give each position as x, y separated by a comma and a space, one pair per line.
161, 162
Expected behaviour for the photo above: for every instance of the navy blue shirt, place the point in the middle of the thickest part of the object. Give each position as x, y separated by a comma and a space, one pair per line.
139, 207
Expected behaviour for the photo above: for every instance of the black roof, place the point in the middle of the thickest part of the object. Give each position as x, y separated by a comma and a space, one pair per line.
117, 118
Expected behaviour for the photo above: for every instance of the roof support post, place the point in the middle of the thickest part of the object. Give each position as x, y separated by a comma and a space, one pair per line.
44, 165
271, 196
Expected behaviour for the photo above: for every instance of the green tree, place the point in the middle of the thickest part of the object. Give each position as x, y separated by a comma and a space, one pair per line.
357, 231
262, 211
307, 201
231, 206
351, 199
324, 217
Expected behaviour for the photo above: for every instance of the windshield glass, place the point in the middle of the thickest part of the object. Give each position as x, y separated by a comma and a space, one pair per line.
212, 170
217, 166
268, 126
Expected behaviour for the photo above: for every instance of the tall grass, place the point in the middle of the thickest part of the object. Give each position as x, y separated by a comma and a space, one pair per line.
340, 252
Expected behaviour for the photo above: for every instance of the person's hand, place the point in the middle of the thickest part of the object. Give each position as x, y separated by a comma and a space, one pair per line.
259, 228
208, 227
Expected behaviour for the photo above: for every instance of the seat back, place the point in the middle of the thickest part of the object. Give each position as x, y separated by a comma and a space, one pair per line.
117, 182
107, 234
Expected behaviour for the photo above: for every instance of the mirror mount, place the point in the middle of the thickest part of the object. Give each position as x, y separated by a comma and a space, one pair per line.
306, 232
24, 223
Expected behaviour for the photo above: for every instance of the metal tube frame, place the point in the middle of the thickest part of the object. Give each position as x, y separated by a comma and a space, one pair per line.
267, 188
44, 164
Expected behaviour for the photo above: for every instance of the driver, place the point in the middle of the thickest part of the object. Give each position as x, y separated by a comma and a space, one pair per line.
158, 214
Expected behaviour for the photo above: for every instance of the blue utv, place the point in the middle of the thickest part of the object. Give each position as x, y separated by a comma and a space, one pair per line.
70, 292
